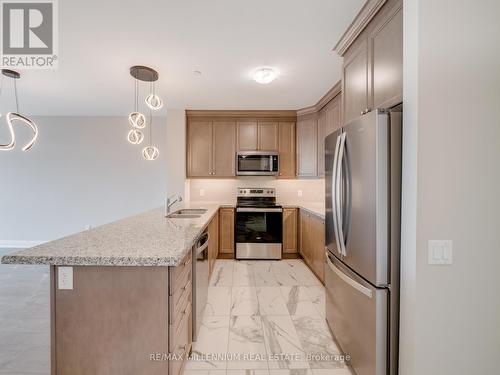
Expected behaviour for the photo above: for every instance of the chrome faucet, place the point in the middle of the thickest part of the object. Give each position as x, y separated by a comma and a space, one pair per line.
170, 201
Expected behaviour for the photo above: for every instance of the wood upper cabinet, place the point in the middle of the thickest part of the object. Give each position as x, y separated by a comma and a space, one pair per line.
286, 148
307, 146
211, 149
387, 60
247, 136
224, 149
355, 82
290, 223
226, 230
267, 136
333, 115
321, 142
199, 149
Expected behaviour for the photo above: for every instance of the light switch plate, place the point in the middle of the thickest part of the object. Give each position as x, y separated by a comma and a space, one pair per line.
299, 193
440, 252
202, 192
65, 278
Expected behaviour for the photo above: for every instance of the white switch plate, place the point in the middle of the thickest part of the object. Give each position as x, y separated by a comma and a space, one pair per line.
440, 252
65, 278
88, 226
202, 192
299, 193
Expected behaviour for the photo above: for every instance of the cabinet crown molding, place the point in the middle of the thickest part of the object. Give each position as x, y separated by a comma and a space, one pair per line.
242, 113
332, 93
362, 19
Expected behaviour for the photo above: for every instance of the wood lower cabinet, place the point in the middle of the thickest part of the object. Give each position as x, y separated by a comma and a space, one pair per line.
213, 242
211, 149
226, 230
312, 242
290, 224
286, 148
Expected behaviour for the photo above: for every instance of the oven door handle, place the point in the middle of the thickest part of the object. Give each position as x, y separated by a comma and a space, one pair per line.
255, 209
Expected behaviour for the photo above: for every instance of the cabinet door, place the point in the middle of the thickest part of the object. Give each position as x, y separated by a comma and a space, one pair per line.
226, 229
286, 148
213, 242
290, 230
224, 149
355, 82
321, 142
267, 136
307, 147
333, 121
387, 60
305, 236
247, 136
199, 144
318, 247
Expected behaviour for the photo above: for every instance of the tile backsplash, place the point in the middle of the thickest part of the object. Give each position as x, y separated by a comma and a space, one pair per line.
287, 191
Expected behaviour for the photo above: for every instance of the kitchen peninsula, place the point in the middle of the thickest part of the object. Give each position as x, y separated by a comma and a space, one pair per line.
121, 294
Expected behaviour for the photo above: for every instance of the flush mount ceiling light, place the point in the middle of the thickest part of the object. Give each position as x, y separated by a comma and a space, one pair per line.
14, 117
264, 75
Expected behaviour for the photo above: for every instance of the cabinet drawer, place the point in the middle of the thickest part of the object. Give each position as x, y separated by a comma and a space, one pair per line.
180, 343
179, 275
179, 307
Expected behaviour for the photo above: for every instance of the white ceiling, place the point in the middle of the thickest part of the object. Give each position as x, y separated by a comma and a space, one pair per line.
224, 39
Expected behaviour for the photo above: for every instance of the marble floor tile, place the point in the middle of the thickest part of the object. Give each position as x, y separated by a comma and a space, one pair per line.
244, 301
296, 371
283, 343
211, 345
271, 301
222, 275
204, 372
334, 371
218, 301
248, 372
247, 349
298, 301
317, 341
243, 274
264, 275
317, 295
285, 274
305, 276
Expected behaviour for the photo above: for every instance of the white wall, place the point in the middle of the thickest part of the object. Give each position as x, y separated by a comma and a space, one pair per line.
83, 171
451, 314
176, 151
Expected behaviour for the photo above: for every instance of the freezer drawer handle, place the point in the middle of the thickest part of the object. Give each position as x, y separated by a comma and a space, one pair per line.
360, 288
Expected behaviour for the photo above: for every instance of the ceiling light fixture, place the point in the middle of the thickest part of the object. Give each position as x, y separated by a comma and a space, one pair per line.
264, 75
137, 119
12, 117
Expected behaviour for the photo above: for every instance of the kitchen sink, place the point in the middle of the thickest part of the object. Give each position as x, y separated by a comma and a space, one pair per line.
187, 213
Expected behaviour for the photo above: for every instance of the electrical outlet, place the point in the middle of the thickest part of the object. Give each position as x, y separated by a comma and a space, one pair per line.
65, 278
202, 192
440, 252
299, 193
88, 226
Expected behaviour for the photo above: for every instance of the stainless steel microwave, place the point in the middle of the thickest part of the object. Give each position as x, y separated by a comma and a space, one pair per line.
257, 163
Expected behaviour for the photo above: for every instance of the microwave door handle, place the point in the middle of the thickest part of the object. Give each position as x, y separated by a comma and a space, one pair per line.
270, 163
334, 194
339, 203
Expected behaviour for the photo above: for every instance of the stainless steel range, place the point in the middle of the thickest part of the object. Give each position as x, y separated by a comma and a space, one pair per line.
259, 224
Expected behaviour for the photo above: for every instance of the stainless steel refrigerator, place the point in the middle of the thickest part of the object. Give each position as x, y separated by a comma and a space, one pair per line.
363, 185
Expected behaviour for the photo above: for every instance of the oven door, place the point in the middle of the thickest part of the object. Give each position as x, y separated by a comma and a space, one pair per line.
259, 233
257, 163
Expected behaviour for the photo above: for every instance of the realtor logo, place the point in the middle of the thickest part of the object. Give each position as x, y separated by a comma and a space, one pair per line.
29, 34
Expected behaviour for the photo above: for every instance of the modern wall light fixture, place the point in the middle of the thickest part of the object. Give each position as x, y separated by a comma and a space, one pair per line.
137, 119
12, 117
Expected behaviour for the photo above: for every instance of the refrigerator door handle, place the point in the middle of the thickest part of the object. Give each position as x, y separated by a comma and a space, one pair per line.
334, 194
338, 202
360, 288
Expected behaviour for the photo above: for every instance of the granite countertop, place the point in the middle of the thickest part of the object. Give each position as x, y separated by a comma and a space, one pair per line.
147, 239
315, 208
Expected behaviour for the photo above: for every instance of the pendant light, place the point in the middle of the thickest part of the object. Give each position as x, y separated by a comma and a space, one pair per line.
153, 101
150, 152
14, 117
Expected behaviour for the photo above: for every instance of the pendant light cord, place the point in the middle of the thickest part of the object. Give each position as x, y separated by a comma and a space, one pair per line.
150, 127
15, 93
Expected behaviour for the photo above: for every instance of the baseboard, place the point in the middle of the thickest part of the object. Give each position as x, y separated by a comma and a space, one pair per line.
15, 244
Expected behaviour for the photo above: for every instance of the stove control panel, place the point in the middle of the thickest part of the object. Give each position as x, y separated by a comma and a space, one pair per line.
256, 192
